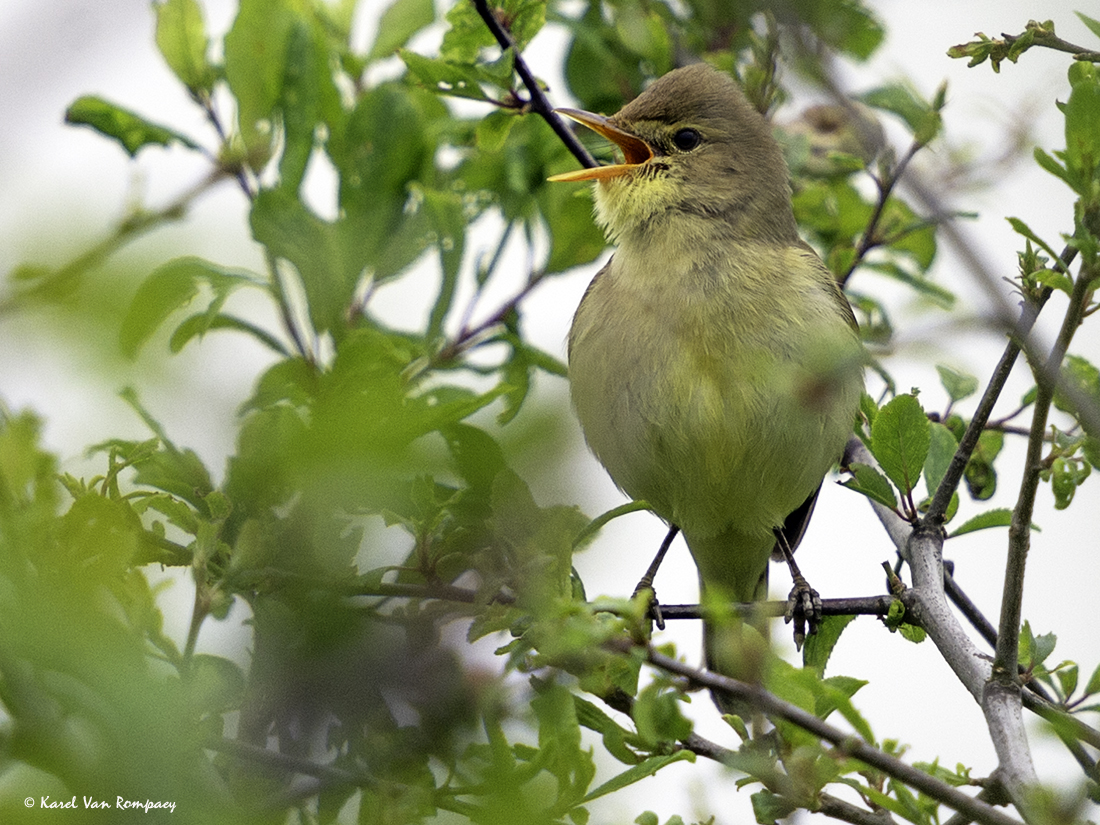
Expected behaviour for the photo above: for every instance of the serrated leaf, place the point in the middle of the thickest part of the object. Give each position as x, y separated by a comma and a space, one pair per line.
900, 439
819, 646
999, 517
130, 129
873, 484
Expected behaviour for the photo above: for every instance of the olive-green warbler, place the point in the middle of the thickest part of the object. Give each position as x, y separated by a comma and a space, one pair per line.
714, 363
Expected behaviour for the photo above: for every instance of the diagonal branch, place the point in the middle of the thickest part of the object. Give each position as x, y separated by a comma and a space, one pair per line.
537, 100
1019, 533
847, 743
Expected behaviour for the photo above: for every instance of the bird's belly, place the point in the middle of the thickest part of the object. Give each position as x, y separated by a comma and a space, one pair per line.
712, 433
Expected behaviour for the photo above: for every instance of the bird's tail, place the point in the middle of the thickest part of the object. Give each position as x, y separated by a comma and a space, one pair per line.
733, 568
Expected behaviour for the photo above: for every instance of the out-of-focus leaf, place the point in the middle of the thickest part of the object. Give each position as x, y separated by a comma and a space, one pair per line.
1083, 377
255, 64
131, 130
941, 450
959, 385
574, 236
444, 77
171, 287
181, 38
329, 256
1082, 112
980, 475
398, 23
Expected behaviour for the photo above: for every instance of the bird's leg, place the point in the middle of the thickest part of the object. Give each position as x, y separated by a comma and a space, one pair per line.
804, 603
646, 582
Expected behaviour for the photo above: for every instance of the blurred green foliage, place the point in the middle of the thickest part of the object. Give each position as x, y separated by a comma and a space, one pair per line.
351, 705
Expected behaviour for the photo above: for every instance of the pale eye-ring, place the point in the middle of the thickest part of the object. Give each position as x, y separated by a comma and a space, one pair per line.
687, 139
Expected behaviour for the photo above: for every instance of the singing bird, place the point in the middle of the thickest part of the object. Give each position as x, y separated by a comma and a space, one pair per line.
714, 363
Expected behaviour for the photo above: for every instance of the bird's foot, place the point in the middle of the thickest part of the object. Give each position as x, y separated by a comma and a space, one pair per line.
803, 608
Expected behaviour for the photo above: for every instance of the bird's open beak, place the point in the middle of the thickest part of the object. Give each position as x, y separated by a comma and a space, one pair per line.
635, 150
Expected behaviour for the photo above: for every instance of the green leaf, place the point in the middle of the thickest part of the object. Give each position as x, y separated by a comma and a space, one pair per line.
900, 440
980, 475
446, 213
131, 130
873, 484
575, 238
768, 808
203, 322
929, 289
447, 78
398, 23
329, 257
999, 517
171, 287
819, 646
657, 715
1022, 228
1034, 650
1082, 112
912, 633
959, 385
837, 693
1054, 167
1067, 679
215, 684
637, 773
1093, 685
181, 38
1082, 376
493, 129
614, 735
1092, 23
903, 101
255, 64
941, 450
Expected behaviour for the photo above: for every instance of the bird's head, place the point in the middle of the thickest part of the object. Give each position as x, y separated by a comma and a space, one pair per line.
692, 145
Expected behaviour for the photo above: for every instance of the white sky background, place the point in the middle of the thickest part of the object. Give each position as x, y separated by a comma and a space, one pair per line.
63, 187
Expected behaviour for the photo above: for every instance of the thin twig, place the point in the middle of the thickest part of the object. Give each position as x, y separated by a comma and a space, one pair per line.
847, 743
128, 229
885, 188
537, 100
1019, 532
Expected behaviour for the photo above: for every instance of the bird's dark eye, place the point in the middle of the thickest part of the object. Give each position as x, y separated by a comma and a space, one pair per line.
687, 139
